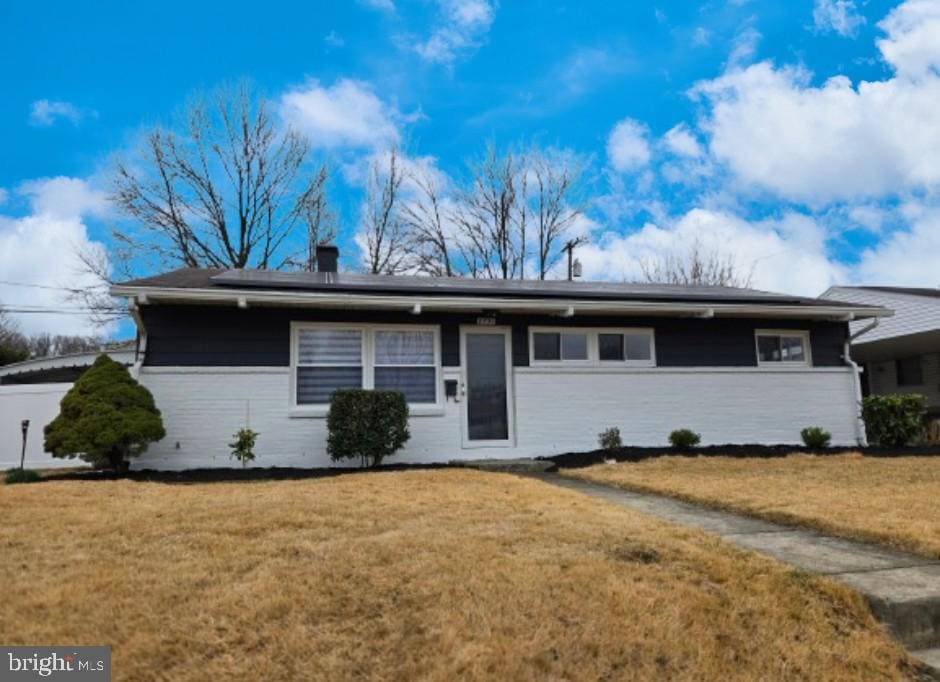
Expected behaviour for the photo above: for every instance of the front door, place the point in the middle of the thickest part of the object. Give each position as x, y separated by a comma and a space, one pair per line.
487, 388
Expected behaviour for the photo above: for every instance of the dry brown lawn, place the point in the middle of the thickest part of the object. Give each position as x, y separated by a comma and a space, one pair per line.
433, 575
895, 501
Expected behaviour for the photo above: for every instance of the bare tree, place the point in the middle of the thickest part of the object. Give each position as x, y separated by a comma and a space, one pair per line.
490, 217
318, 219
425, 217
46, 344
14, 346
557, 204
515, 205
697, 266
102, 307
383, 234
225, 191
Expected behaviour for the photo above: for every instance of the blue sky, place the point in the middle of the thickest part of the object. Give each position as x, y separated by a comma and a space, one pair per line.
801, 136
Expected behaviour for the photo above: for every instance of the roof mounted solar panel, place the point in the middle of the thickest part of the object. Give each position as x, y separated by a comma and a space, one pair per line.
459, 286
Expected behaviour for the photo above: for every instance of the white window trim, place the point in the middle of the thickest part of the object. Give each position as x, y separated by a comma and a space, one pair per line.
647, 331
593, 350
807, 348
368, 364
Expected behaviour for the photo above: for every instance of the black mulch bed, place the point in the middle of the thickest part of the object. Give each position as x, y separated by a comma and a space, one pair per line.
229, 474
576, 460
569, 460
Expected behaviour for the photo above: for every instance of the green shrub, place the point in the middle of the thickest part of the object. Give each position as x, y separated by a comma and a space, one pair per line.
684, 439
243, 447
815, 437
21, 476
105, 418
893, 420
610, 439
370, 425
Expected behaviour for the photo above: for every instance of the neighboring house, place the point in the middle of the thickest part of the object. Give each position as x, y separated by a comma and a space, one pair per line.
900, 354
490, 368
32, 390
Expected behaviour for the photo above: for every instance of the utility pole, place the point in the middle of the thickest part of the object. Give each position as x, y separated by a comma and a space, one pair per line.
574, 266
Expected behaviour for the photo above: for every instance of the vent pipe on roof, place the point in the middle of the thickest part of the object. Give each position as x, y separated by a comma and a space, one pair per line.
327, 257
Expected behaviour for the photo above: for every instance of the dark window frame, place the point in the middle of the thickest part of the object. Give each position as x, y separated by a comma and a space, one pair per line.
913, 374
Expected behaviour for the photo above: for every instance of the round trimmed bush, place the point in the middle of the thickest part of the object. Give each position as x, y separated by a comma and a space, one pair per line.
684, 439
893, 420
367, 424
815, 437
610, 439
105, 418
21, 476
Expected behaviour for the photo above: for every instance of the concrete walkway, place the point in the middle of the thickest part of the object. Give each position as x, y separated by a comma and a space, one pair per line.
903, 589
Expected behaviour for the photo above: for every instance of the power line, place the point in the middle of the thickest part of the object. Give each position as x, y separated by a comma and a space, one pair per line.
41, 286
54, 306
66, 312
26, 308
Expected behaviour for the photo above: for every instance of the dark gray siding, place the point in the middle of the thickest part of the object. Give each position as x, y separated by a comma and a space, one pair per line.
228, 336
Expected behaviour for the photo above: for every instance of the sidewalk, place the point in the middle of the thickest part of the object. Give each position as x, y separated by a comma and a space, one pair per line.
902, 589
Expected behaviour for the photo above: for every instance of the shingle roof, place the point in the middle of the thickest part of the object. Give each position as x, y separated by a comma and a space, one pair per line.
207, 278
911, 291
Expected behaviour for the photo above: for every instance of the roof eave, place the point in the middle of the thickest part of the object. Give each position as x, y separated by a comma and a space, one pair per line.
249, 297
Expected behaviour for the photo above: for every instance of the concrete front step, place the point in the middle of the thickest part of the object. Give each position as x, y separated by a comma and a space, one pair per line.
903, 589
929, 656
906, 599
522, 465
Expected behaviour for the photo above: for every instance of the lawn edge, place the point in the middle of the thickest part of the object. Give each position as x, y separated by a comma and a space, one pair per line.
784, 518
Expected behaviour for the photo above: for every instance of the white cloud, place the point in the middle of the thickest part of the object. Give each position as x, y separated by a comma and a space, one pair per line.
356, 171
461, 27
681, 142
818, 144
46, 112
40, 249
744, 48
345, 114
869, 217
906, 257
912, 44
3, 196
64, 197
628, 146
786, 255
777, 130
839, 16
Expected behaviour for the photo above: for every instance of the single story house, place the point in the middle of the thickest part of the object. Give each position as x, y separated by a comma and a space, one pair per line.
900, 354
32, 390
490, 368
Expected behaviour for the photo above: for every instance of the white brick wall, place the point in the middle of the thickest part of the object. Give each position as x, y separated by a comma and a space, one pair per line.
555, 411
559, 413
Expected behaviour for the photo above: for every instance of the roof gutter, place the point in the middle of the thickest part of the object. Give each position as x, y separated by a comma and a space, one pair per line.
860, 432
568, 307
864, 330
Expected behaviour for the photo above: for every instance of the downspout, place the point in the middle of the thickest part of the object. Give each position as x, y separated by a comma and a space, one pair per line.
860, 434
141, 350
